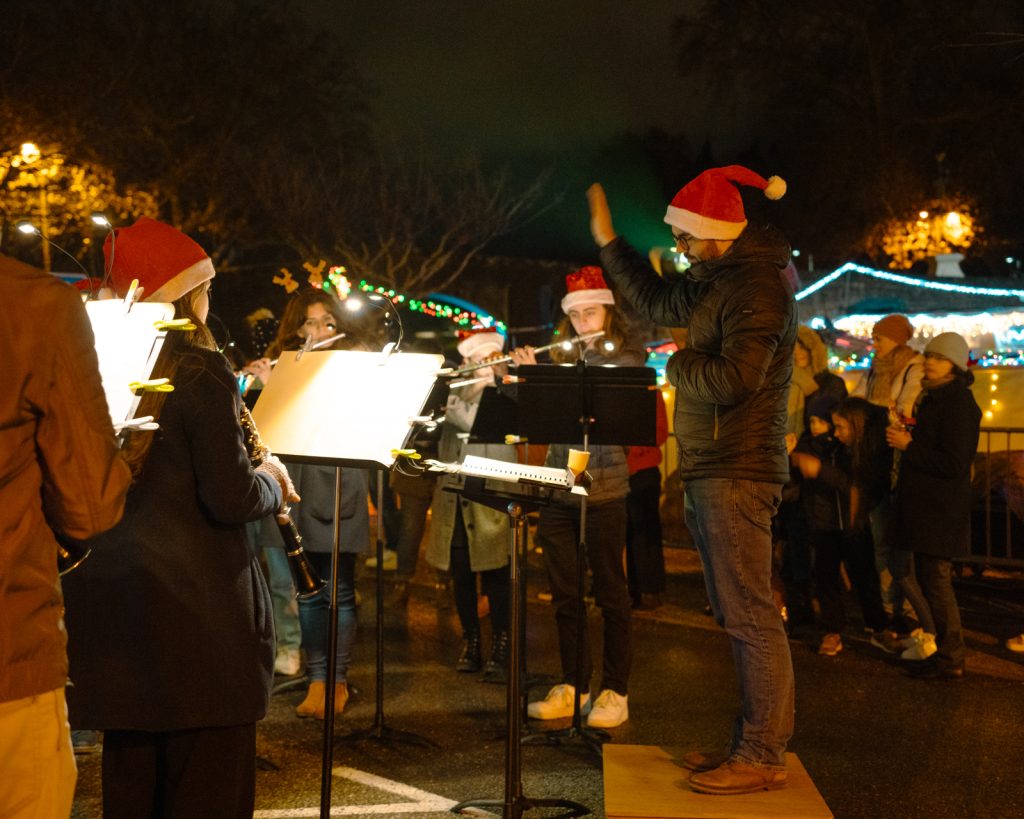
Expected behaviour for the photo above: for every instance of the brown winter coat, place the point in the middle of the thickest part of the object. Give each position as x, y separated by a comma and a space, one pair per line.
59, 468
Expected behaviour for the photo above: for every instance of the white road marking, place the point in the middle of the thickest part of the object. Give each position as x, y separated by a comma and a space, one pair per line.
418, 801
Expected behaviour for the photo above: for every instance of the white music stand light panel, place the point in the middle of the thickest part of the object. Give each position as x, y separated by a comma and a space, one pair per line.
343, 405
127, 346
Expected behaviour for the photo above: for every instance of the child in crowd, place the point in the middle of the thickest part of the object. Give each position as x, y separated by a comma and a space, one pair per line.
466, 538
845, 469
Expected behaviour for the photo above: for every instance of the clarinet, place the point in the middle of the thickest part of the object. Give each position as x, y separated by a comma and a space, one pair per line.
307, 582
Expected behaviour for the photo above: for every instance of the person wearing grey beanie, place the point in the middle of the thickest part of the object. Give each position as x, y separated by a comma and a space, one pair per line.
933, 494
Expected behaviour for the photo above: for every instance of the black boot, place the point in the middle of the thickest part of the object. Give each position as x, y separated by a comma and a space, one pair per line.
470, 661
495, 669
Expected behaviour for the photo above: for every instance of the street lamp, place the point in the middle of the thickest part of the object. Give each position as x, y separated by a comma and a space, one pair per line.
29, 229
100, 220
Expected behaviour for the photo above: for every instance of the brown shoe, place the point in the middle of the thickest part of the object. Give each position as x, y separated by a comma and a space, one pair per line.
735, 776
698, 761
313, 705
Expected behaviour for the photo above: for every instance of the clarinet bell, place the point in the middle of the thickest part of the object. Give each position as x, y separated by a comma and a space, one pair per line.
70, 554
307, 582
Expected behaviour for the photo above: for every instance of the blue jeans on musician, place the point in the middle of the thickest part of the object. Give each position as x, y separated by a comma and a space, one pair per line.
314, 617
730, 521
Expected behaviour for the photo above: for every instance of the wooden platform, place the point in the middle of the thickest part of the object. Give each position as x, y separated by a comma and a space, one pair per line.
645, 782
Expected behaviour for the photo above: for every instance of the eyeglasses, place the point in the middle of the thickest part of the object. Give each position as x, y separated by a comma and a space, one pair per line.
683, 240
327, 322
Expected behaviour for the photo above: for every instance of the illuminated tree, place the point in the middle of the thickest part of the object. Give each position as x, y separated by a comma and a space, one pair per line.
43, 186
940, 229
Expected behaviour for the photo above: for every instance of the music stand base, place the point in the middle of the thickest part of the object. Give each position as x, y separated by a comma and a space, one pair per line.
518, 806
388, 735
592, 738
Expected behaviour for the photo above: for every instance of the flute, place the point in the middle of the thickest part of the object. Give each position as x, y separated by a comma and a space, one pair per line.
565, 344
245, 379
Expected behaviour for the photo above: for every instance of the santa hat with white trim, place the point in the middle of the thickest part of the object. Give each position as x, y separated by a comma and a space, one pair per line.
166, 262
710, 207
480, 340
586, 286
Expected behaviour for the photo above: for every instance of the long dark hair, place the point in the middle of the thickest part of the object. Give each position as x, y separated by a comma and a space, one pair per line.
362, 330
178, 345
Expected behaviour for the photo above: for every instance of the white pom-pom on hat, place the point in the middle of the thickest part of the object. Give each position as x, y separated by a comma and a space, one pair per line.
776, 187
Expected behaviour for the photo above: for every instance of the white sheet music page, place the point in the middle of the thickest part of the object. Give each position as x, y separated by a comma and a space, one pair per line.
127, 344
476, 467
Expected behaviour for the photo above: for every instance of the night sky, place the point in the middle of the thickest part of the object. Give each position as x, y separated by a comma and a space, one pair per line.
533, 85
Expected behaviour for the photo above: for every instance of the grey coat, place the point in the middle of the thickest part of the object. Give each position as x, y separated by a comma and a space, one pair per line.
314, 514
487, 530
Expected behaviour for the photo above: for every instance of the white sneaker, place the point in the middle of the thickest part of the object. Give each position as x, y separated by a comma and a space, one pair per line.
287, 662
1016, 643
558, 704
922, 649
610, 710
390, 561
911, 640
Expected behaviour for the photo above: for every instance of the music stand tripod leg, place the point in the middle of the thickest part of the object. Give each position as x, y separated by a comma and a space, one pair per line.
515, 804
379, 730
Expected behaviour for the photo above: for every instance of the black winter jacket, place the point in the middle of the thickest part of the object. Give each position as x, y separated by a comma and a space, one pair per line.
933, 493
824, 501
732, 380
170, 623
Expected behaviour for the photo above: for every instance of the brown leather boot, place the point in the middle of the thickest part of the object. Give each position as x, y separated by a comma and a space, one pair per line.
698, 761
313, 705
735, 777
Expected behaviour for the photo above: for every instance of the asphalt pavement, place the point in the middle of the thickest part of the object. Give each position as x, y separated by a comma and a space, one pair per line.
876, 742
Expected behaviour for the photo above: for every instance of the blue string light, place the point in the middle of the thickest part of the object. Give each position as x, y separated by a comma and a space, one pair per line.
850, 267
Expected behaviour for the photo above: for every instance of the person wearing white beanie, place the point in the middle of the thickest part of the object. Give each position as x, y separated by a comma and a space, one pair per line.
932, 515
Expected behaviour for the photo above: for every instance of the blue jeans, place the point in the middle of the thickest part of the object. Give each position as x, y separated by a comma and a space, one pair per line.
314, 612
730, 521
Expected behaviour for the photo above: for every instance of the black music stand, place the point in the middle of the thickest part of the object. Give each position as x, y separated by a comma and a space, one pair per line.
372, 397
598, 405
515, 505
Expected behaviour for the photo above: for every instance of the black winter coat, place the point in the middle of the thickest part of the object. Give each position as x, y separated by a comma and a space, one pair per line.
824, 501
933, 492
732, 380
169, 621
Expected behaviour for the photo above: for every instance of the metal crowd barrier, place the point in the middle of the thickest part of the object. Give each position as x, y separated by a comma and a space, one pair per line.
997, 518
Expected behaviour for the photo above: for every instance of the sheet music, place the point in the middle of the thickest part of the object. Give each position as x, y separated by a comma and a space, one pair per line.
478, 467
127, 345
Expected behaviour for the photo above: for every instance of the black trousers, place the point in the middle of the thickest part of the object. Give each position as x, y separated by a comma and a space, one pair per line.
192, 774
856, 551
935, 574
494, 581
558, 535
645, 558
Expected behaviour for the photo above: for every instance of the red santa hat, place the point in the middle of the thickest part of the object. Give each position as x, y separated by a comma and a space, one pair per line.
480, 340
710, 207
586, 286
166, 262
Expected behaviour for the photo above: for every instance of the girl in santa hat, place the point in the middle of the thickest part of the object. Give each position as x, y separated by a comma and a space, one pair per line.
589, 306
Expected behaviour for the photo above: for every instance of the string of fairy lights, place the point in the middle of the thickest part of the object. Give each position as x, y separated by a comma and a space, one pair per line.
337, 279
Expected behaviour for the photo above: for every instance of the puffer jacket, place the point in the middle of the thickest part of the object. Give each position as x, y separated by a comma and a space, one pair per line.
732, 379
59, 468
